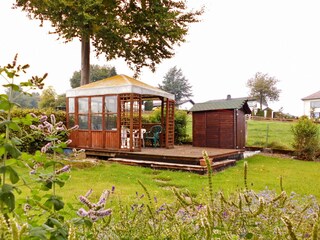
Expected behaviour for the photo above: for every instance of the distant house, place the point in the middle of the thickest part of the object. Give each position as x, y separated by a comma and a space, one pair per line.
185, 104
220, 123
312, 105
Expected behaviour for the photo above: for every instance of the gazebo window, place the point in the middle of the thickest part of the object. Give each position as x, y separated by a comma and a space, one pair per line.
83, 112
96, 113
71, 112
111, 106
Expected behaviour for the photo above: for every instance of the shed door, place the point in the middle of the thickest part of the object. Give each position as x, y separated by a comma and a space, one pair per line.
199, 130
241, 130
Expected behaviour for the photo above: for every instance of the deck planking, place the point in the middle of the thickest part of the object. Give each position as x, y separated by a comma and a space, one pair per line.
180, 154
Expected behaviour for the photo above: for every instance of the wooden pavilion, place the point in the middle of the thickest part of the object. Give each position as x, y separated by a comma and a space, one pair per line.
109, 114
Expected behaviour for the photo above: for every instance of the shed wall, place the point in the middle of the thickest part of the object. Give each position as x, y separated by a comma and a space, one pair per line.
219, 129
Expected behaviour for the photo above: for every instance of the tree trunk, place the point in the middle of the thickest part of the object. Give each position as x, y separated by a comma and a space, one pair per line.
261, 102
85, 60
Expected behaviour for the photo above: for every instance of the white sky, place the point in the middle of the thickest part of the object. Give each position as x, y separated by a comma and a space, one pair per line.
235, 40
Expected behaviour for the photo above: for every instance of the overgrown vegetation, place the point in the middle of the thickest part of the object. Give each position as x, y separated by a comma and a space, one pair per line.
306, 139
180, 123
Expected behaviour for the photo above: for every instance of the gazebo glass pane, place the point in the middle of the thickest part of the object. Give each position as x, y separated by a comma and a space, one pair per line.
111, 121
111, 104
96, 122
71, 105
83, 105
83, 122
71, 120
96, 105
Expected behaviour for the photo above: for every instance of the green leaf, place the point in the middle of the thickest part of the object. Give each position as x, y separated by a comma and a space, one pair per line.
9, 199
55, 202
14, 177
3, 169
13, 86
7, 188
14, 126
11, 161
12, 150
2, 151
38, 232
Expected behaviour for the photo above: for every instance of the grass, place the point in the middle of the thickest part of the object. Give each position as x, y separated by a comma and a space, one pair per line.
263, 172
279, 134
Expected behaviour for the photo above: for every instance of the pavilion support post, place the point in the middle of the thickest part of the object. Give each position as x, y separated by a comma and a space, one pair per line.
167, 122
131, 123
162, 118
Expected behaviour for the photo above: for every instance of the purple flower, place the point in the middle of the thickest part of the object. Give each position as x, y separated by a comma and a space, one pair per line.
33, 115
33, 127
112, 189
43, 118
66, 168
75, 127
53, 118
88, 193
46, 147
59, 124
86, 202
32, 172
103, 213
82, 213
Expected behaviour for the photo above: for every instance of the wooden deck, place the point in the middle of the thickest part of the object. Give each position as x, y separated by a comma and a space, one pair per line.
182, 157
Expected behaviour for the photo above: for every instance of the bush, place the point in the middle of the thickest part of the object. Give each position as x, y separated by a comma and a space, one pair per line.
31, 141
180, 123
305, 139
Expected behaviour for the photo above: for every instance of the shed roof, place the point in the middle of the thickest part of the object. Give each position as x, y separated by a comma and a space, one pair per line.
232, 103
315, 95
116, 85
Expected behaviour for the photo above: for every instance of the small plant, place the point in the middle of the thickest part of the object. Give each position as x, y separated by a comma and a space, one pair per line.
9, 151
306, 139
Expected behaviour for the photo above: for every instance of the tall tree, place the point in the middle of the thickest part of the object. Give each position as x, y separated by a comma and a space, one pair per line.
263, 87
48, 98
142, 32
96, 73
175, 83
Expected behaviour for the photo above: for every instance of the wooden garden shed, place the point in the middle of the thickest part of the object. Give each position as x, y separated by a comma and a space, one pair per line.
109, 114
220, 123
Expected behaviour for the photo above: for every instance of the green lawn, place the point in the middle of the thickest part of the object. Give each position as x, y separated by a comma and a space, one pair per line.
272, 134
263, 172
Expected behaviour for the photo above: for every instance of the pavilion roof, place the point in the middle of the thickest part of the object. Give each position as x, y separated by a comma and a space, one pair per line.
116, 85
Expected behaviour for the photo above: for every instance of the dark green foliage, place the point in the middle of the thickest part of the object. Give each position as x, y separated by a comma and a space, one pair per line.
263, 88
175, 83
180, 123
141, 32
30, 141
148, 105
48, 98
96, 73
306, 139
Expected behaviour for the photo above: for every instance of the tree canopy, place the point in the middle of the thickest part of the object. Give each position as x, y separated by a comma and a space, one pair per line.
96, 73
263, 87
48, 98
143, 32
175, 83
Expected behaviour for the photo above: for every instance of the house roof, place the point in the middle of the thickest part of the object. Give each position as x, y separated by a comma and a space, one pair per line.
232, 103
315, 95
185, 101
116, 85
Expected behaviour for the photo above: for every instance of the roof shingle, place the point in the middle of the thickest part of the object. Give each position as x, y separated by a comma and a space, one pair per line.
235, 103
